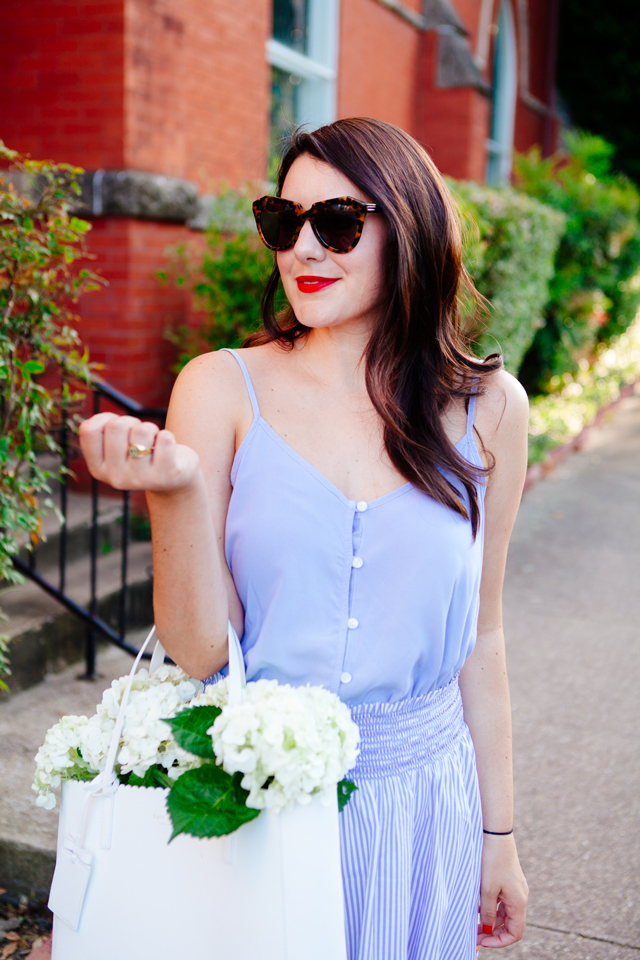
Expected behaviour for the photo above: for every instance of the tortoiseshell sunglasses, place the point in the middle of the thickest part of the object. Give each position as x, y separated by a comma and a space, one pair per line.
336, 223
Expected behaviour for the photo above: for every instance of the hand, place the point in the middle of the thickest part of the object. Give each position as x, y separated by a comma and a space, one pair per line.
503, 893
105, 440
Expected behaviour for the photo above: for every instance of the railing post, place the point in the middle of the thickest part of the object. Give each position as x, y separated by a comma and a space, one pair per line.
124, 549
64, 449
89, 615
90, 646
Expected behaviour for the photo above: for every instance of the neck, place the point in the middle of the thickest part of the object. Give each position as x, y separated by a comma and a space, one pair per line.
336, 355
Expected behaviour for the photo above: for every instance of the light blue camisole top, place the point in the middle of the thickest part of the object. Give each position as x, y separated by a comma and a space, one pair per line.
376, 601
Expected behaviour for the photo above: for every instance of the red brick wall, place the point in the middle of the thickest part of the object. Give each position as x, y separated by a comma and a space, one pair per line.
124, 324
452, 123
178, 88
378, 62
469, 13
61, 79
197, 88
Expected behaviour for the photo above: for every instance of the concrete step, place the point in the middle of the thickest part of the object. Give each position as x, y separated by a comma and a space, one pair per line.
46, 637
28, 833
79, 515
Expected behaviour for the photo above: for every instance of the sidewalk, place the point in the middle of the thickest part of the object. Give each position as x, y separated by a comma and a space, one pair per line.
572, 621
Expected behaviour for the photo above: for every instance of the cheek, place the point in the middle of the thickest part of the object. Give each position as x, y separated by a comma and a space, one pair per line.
371, 272
371, 253
284, 260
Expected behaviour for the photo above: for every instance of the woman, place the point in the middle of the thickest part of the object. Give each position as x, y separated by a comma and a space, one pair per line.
343, 489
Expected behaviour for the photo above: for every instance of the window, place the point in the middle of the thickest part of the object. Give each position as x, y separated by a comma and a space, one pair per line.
303, 58
500, 146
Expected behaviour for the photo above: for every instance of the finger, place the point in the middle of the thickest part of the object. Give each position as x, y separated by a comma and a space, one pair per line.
145, 434
488, 909
173, 461
91, 436
509, 927
116, 442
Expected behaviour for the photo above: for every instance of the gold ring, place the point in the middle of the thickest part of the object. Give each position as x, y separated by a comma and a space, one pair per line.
136, 451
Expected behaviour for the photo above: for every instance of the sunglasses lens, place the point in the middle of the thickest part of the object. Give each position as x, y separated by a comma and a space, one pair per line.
337, 225
278, 222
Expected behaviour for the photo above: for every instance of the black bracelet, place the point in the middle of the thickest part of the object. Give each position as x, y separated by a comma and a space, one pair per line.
495, 834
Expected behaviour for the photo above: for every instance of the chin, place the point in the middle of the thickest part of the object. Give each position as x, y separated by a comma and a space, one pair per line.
310, 316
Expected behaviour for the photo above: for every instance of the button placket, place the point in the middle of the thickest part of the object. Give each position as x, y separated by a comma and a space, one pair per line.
357, 562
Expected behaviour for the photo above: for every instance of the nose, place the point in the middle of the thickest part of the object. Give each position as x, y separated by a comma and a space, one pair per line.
307, 246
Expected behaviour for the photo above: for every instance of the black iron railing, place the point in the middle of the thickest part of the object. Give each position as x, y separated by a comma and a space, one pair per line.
89, 615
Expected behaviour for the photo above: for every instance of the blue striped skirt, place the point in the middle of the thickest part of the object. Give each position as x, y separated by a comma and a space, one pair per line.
412, 832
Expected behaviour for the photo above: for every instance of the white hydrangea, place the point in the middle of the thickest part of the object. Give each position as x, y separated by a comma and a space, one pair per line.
77, 747
289, 742
213, 695
58, 757
145, 738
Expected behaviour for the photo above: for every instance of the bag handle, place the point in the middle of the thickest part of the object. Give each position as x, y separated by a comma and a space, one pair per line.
106, 782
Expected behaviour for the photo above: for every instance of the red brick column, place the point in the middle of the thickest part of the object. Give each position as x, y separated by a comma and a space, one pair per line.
173, 87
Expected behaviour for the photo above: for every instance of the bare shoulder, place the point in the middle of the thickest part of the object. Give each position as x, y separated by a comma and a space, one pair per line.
502, 409
211, 374
209, 400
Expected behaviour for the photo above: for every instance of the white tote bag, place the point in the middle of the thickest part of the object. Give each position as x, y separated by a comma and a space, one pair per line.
271, 890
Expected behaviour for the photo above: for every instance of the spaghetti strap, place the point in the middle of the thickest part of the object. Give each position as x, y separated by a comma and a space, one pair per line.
247, 380
471, 412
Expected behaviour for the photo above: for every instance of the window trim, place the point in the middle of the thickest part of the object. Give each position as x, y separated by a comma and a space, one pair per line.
283, 57
504, 104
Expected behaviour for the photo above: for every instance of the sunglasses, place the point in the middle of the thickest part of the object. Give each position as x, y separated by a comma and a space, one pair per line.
336, 223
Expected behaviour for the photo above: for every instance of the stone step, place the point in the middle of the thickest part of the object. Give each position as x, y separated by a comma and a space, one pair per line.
46, 636
79, 515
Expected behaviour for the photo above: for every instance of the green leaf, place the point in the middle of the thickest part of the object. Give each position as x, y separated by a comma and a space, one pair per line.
345, 789
190, 730
156, 776
33, 366
208, 802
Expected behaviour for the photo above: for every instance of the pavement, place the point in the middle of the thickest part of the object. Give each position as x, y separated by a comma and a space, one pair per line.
24, 721
572, 615
572, 622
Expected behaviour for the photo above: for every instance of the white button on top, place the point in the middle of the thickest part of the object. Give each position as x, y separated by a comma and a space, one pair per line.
345, 677
361, 506
352, 623
357, 562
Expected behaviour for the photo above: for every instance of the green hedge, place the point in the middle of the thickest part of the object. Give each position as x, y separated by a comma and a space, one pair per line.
511, 242
226, 278
595, 290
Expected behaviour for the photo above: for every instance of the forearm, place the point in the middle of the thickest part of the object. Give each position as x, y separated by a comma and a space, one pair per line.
189, 596
487, 711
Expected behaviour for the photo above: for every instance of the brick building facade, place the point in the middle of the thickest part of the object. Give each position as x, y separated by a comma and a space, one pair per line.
158, 99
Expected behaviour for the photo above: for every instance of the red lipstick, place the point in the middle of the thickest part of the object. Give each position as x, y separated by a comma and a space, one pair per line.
311, 284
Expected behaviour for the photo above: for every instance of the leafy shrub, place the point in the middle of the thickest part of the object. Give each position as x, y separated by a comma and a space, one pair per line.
226, 279
511, 241
595, 289
40, 243
558, 417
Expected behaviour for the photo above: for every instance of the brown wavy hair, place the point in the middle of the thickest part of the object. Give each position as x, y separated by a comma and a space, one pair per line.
418, 357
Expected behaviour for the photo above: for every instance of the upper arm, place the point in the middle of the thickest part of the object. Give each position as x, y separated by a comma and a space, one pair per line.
503, 424
208, 411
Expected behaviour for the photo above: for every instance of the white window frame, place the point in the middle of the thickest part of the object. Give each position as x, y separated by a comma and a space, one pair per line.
318, 69
500, 144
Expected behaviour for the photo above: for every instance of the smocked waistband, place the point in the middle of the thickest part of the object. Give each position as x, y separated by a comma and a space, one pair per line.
402, 736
